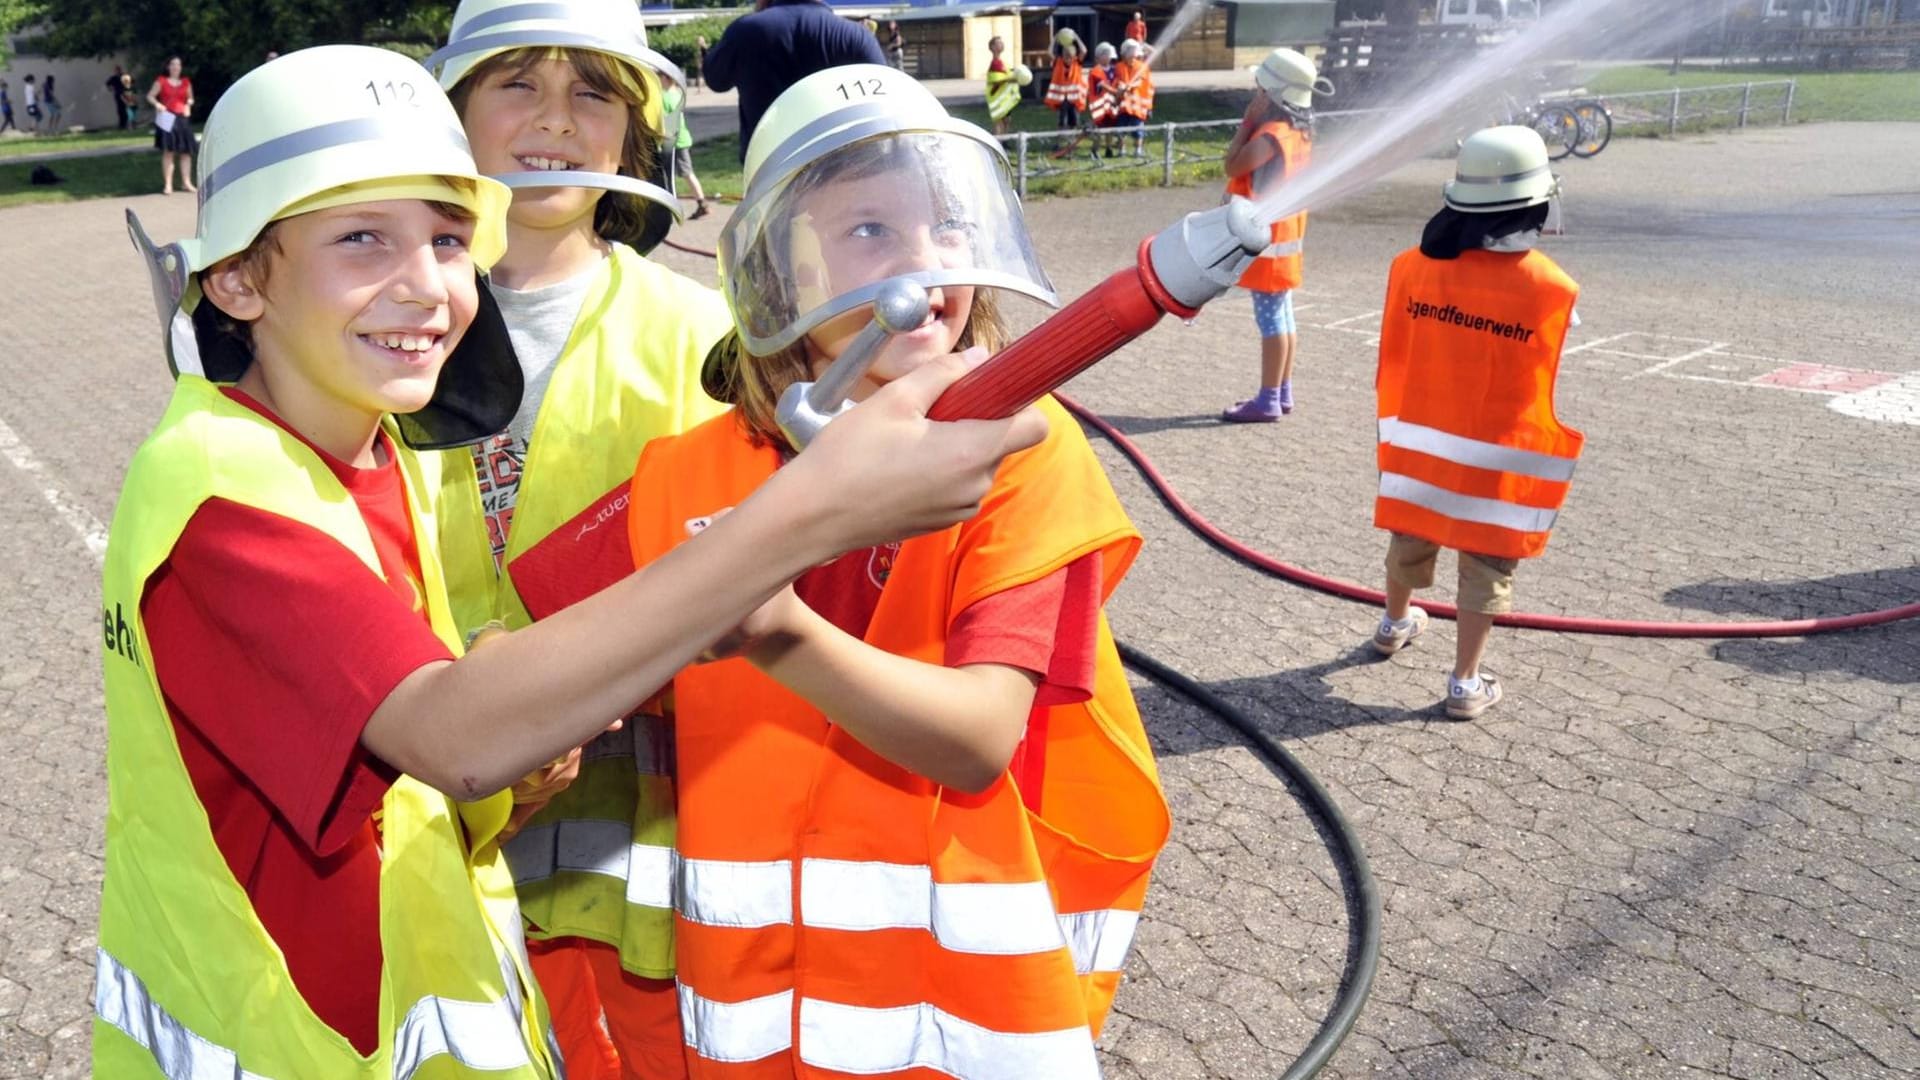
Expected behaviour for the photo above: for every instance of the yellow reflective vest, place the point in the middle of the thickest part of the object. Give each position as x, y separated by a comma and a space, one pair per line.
188, 983
597, 862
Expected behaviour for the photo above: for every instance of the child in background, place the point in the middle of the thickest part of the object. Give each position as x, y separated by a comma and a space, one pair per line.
1067, 92
6, 108
1003, 89
1103, 97
673, 107
1274, 143
918, 815
1135, 81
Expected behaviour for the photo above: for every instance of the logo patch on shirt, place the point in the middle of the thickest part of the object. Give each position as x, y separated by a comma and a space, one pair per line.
880, 563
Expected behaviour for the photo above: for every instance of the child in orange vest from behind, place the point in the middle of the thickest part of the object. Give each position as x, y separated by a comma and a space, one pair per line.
1472, 456
917, 811
1273, 145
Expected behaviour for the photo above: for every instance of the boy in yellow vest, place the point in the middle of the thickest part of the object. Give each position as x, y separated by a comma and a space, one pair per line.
306, 787
1472, 456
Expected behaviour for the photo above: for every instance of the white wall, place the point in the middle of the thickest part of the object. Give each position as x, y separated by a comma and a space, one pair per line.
81, 86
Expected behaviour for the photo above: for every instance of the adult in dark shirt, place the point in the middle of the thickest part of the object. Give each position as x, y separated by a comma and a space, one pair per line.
113, 95
782, 42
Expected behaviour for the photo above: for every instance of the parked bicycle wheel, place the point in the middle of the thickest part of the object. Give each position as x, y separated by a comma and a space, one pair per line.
1596, 128
1558, 128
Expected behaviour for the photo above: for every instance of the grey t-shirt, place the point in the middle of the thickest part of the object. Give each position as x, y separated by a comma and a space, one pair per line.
539, 322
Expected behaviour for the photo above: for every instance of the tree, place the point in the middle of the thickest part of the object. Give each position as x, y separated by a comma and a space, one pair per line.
14, 16
223, 39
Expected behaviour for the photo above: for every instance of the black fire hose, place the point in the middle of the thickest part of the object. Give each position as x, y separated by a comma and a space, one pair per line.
1363, 896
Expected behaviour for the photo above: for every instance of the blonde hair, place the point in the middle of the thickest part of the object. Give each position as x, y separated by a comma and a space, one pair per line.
617, 216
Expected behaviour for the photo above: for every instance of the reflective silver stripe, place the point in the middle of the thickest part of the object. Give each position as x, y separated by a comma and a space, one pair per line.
848, 1038
1471, 508
1507, 179
646, 741
1472, 452
650, 875
481, 1035
1099, 940
736, 1031
1283, 249
589, 846
989, 918
515, 13
314, 139
737, 894
120, 998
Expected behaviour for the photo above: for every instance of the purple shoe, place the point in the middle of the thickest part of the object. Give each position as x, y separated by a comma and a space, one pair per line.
1286, 397
1251, 411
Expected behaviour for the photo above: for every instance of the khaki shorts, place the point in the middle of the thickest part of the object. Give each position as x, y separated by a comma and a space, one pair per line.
1486, 583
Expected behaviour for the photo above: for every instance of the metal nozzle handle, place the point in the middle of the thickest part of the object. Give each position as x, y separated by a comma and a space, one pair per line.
805, 408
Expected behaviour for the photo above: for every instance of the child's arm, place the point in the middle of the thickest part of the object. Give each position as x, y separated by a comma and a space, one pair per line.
883, 471
957, 727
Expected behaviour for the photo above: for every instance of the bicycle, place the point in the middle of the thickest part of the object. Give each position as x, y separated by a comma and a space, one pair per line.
1556, 124
1596, 126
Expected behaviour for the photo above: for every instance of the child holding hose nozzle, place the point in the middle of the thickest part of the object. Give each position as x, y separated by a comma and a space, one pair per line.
917, 809
1274, 143
1472, 456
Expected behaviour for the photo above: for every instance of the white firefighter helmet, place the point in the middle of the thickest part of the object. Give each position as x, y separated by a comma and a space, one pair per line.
855, 176
1067, 39
1500, 169
1290, 79
1023, 74
323, 127
483, 29
1129, 49
1102, 52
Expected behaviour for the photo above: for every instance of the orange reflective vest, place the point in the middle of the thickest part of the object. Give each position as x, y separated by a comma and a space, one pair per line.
1279, 267
1137, 88
1471, 454
1068, 85
839, 914
1103, 95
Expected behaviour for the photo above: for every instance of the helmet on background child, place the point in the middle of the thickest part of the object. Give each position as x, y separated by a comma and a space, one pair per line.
483, 29
857, 168
320, 128
1501, 169
1291, 80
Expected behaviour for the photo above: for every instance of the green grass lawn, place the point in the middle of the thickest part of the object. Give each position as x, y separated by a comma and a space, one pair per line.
1819, 95
107, 176
718, 160
86, 140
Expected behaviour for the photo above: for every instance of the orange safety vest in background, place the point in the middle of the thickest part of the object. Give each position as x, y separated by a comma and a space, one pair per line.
1138, 81
1471, 454
838, 914
1068, 85
1103, 95
1279, 267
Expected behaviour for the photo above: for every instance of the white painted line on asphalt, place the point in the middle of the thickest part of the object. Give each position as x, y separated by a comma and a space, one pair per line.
1896, 402
78, 518
1678, 360
1341, 323
1594, 344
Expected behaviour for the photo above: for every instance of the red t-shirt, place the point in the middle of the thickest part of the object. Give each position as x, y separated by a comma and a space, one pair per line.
273, 645
1049, 627
173, 96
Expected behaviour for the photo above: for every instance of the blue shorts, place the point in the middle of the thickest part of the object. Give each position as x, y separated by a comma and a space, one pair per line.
1273, 313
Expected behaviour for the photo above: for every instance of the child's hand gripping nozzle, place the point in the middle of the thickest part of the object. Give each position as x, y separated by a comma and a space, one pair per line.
806, 407
1178, 271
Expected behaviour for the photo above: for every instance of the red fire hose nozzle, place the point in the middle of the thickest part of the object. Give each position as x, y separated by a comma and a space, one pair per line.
1179, 270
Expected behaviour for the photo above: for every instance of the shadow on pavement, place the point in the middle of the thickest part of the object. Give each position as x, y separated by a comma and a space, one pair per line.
1888, 654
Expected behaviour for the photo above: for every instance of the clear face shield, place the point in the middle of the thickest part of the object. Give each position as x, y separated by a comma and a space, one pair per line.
930, 209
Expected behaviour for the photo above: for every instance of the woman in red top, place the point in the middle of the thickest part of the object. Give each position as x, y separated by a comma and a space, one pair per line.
172, 101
